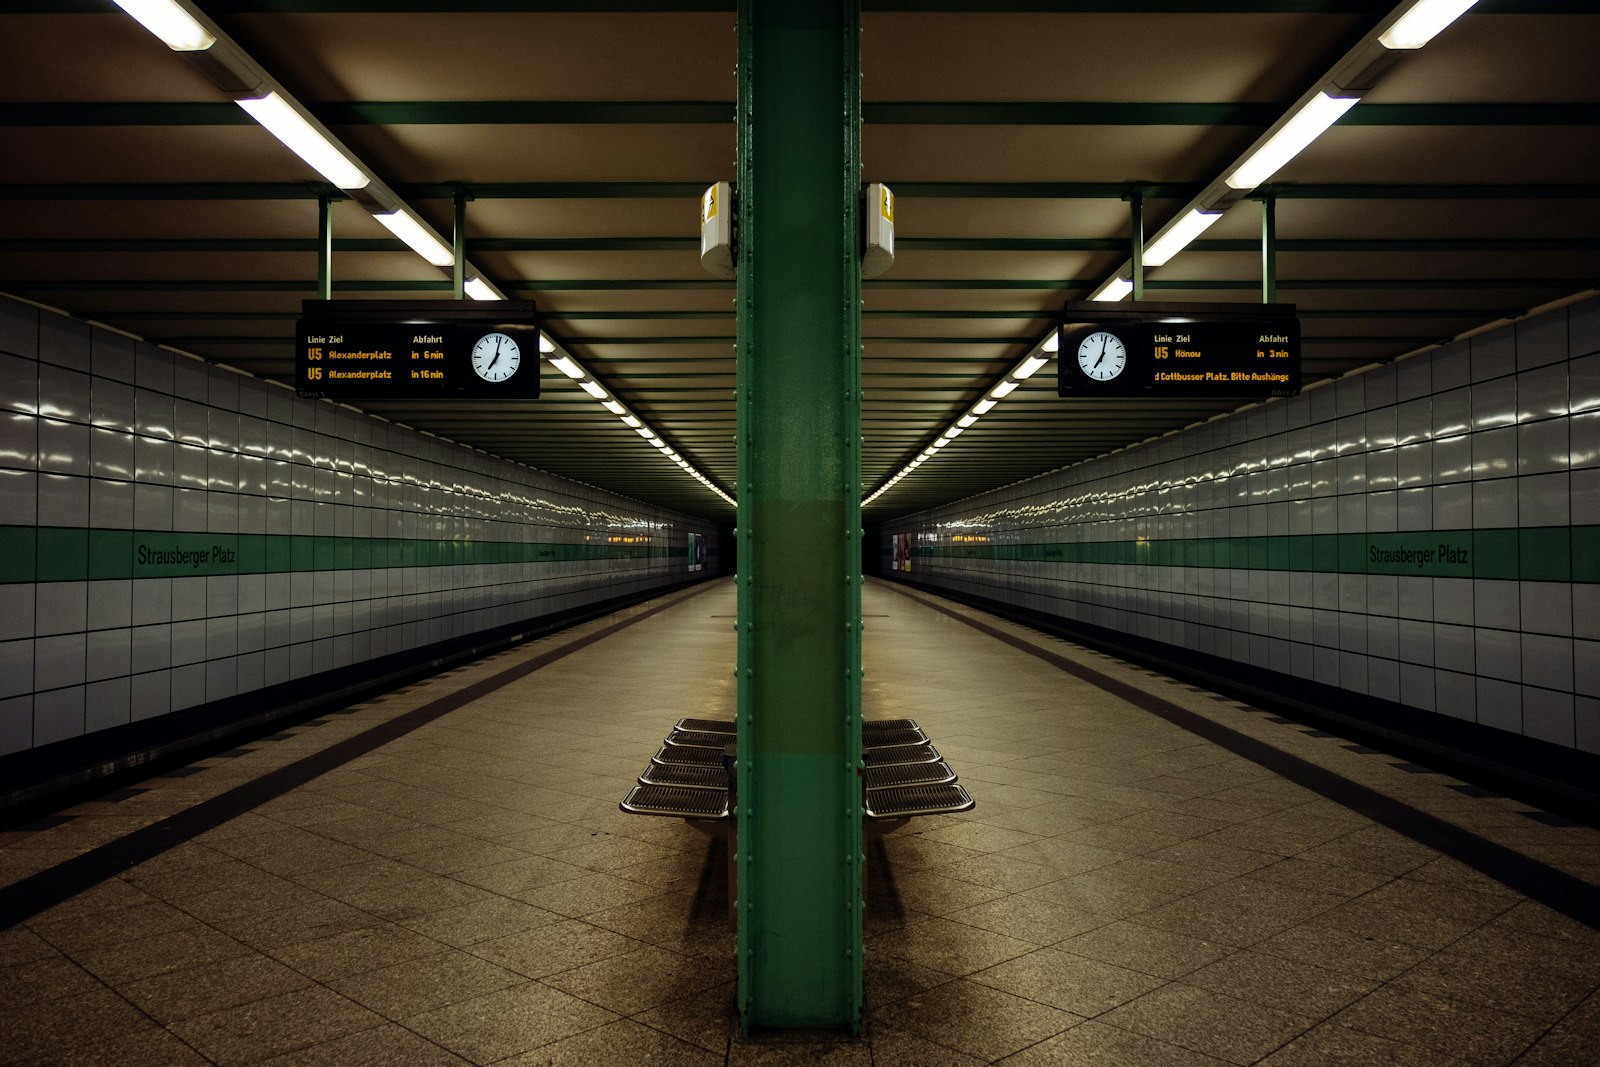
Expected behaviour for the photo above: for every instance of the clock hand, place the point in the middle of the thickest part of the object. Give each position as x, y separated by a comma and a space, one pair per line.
1103, 350
496, 358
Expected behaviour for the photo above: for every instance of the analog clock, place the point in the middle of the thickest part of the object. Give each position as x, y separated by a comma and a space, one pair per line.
1102, 355
496, 357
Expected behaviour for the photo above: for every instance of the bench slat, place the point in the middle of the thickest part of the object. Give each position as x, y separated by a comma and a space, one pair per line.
676, 801
891, 738
699, 739
685, 777
687, 755
900, 802
909, 774
900, 754
710, 726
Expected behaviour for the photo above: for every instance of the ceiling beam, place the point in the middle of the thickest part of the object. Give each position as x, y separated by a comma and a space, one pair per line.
904, 190
712, 112
1065, 7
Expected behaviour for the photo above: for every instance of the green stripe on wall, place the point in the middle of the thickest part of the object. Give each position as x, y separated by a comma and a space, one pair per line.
69, 554
1545, 554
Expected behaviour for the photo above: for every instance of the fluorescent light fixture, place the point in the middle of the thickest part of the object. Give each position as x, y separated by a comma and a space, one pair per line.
1115, 289
166, 19
966, 420
613, 407
594, 389
1003, 390
953, 432
940, 443
412, 232
645, 432
1320, 112
631, 422
1029, 368
1052, 343
305, 141
565, 365
479, 289
545, 344
1178, 237
983, 406
1412, 30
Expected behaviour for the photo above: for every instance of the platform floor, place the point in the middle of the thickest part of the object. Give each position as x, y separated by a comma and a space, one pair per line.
1158, 877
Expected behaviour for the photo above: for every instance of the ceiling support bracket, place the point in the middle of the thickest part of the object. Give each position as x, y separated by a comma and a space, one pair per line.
458, 246
325, 247
1136, 238
1269, 249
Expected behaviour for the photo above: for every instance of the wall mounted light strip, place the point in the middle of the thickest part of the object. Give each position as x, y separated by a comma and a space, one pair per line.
1422, 23
183, 27
563, 361
1036, 360
421, 240
287, 124
177, 29
1175, 237
479, 289
1307, 124
1408, 25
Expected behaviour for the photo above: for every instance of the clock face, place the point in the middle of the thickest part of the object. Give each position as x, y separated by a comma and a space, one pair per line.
1102, 356
496, 357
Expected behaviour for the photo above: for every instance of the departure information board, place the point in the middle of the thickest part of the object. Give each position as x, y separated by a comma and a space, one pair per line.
1179, 350
417, 350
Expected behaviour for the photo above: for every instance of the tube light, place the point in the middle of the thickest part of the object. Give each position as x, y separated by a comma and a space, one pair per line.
940, 443
966, 420
1320, 112
613, 407
1115, 289
545, 344
983, 406
305, 141
1029, 368
1052, 343
1003, 390
953, 432
1413, 29
645, 432
1178, 237
631, 422
594, 389
565, 365
423, 243
479, 289
177, 28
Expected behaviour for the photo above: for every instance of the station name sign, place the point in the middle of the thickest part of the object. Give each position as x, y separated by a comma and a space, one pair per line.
417, 350
1223, 351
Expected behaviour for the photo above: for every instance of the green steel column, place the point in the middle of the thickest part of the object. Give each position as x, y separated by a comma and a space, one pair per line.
799, 538
324, 248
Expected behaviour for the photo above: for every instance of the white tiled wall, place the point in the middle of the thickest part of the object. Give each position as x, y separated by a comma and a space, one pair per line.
1500, 432
100, 431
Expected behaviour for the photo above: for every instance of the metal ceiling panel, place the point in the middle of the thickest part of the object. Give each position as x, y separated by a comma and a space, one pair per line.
1462, 191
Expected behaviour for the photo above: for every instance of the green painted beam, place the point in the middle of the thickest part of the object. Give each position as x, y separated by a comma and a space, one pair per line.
903, 244
799, 798
676, 190
1151, 7
27, 285
711, 112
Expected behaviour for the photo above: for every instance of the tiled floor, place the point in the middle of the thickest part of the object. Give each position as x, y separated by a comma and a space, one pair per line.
1126, 892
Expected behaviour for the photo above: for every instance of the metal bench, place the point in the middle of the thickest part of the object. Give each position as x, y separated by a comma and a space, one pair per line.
680, 801
690, 776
